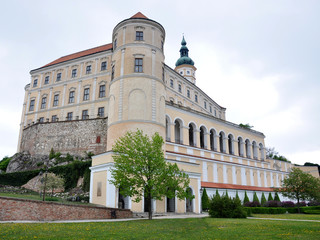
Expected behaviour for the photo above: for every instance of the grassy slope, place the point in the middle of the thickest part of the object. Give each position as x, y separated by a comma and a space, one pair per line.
205, 228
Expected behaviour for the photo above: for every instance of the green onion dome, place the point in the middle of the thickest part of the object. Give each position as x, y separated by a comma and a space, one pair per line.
184, 58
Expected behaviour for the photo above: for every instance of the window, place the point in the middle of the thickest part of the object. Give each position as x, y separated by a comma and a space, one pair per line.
86, 94
43, 102
74, 73
35, 82
188, 72
112, 72
58, 77
54, 118
31, 107
205, 105
56, 100
138, 65
181, 72
88, 69
139, 35
46, 80
102, 91
115, 43
85, 114
210, 109
41, 120
71, 97
171, 83
215, 112
196, 98
101, 111
103, 66
188, 93
179, 88
69, 116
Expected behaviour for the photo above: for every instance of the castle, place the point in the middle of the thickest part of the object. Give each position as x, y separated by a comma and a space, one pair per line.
87, 100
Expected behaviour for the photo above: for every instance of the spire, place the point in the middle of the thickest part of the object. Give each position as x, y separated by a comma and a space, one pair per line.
184, 55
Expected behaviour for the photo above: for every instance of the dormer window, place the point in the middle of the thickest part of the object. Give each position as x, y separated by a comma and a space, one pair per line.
139, 36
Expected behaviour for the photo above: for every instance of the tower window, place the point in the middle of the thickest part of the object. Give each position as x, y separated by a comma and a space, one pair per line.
43, 102
86, 94
71, 97
139, 35
74, 73
103, 66
188, 93
46, 80
138, 65
88, 69
102, 91
31, 107
56, 100
35, 82
188, 72
181, 72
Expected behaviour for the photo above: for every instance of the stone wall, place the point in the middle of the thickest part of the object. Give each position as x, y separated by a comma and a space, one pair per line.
13, 209
72, 137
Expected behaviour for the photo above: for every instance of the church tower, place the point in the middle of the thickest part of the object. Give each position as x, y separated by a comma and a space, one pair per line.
185, 65
137, 90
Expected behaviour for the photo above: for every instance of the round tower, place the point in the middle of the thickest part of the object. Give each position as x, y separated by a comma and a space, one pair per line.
137, 90
185, 65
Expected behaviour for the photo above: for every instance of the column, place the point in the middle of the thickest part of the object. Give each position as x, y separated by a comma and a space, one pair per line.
37, 107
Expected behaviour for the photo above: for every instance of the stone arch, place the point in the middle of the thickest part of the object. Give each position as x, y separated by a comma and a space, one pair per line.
261, 150
178, 133
192, 134
203, 136
230, 143
213, 142
240, 146
137, 104
254, 150
189, 202
222, 142
248, 148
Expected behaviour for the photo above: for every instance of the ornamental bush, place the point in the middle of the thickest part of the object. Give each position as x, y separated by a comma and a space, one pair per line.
314, 203
272, 204
301, 204
225, 207
287, 204
252, 204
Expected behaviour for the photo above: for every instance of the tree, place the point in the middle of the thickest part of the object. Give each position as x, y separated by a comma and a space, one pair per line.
272, 153
270, 198
255, 198
300, 186
52, 182
263, 199
276, 197
140, 170
205, 200
247, 125
226, 207
246, 198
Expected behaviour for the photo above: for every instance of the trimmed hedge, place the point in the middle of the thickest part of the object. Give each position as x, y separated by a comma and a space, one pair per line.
265, 210
17, 178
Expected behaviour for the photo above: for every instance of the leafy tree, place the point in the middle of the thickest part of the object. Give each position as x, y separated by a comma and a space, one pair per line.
205, 200
276, 197
140, 170
255, 197
272, 153
4, 163
52, 182
270, 198
263, 199
246, 198
300, 186
225, 207
247, 125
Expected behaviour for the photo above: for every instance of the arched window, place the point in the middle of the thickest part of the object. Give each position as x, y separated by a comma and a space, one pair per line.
171, 203
213, 144
177, 131
248, 148
192, 139
254, 150
240, 146
230, 144
203, 142
261, 150
189, 207
222, 142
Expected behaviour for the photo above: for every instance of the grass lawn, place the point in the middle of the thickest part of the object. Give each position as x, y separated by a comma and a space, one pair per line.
289, 216
192, 228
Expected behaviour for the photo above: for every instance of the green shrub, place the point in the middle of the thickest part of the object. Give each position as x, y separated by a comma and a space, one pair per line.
263, 199
17, 178
225, 207
255, 198
246, 198
51, 154
292, 209
270, 198
276, 197
4, 163
312, 211
205, 200
237, 196
265, 210
86, 180
52, 199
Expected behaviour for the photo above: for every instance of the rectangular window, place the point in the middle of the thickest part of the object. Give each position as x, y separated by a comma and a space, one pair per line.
196, 98
103, 66
85, 114
54, 118
139, 35
46, 80
205, 105
112, 73
58, 77
31, 107
215, 112
35, 82
71, 97
210, 109
56, 100
86, 94
180, 88
43, 102
69, 116
171, 83
115, 43
41, 120
88, 69
101, 111
102, 91
188, 93
74, 73
138, 65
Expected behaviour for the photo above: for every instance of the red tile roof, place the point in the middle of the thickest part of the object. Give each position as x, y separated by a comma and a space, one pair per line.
139, 15
234, 186
80, 54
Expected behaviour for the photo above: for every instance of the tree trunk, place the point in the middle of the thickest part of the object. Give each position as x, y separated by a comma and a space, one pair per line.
150, 206
298, 205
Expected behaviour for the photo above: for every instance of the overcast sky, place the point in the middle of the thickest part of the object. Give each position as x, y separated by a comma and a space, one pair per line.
259, 59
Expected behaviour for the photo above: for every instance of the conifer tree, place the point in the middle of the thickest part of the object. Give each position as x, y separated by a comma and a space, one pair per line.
270, 198
227, 193
255, 197
205, 200
276, 197
263, 199
237, 196
217, 193
246, 198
